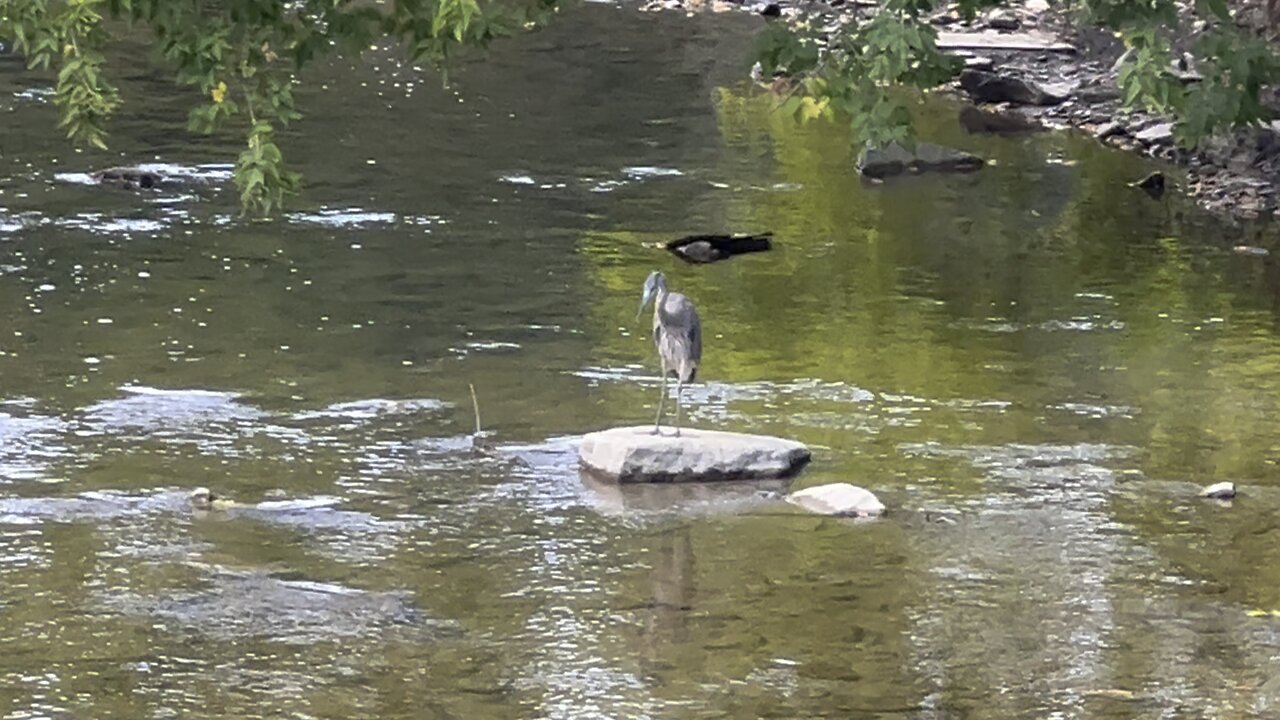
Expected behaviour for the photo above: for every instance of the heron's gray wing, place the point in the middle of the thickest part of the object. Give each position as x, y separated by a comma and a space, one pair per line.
695, 337
679, 314
681, 322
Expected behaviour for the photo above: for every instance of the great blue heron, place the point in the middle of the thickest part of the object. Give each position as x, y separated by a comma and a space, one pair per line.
677, 334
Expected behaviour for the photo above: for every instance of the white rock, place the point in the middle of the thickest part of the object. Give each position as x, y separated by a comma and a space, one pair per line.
1158, 133
989, 40
634, 454
838, 499
1220, 491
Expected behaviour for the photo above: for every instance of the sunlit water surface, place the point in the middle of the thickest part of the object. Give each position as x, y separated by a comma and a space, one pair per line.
1032, 365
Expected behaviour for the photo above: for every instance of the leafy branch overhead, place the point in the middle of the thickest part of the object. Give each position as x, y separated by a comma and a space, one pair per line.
244, 56
858, 69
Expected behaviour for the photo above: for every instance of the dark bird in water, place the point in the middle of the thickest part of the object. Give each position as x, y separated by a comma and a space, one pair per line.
677, 334
710, 248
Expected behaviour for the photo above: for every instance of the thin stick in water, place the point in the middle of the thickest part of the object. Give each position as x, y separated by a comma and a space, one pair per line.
475, 404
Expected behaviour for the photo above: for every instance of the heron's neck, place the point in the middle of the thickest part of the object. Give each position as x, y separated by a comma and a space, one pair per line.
659, 305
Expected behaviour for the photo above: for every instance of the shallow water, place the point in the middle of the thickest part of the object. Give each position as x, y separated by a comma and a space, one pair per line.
1033, 367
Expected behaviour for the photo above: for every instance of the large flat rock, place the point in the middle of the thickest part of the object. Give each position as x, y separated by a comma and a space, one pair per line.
988, 40
634, 454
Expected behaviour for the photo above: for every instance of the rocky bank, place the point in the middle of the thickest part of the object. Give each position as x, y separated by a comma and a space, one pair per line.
1027, 67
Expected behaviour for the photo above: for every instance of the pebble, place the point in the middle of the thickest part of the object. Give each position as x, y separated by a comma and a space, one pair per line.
979, 63
1110, 129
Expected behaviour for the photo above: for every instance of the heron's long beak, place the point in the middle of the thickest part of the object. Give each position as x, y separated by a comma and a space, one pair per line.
644, 302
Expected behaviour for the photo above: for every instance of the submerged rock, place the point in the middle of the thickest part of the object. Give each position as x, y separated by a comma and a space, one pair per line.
635, 454
989, 87
88, 507
895, 159
1219, 491
235, 605
838, 499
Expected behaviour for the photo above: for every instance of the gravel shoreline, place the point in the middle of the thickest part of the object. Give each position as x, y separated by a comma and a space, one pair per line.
1070, 84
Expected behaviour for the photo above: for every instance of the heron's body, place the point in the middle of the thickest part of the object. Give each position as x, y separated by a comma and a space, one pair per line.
677, 336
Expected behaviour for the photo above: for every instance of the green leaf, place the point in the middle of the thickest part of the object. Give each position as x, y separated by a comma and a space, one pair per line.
1214, 8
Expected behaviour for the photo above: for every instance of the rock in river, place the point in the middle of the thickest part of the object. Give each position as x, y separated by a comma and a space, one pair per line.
838, 499
895, 159
1220, 491
634, 454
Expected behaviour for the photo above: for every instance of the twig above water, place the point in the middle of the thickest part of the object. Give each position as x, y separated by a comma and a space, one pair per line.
475, 405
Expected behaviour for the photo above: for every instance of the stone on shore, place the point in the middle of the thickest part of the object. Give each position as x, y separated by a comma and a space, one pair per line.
988, 40
894, 159
634, 454
838, 499
1160, 133
990, 87
1003, 20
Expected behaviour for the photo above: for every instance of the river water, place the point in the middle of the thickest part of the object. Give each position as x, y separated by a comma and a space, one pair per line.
1033, 366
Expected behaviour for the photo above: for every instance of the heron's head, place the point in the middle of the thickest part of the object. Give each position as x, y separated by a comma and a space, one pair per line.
655, 283
201, 498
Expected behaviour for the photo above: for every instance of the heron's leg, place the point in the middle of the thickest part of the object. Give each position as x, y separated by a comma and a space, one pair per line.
679, 390
657, 422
